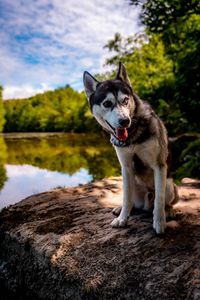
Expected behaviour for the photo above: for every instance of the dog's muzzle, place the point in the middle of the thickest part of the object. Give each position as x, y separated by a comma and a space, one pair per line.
120, 133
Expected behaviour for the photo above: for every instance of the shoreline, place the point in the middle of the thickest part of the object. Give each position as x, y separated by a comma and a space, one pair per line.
18, 135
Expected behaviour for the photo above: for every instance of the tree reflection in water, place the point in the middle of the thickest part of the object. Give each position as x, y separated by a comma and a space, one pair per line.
3, 153
67, 153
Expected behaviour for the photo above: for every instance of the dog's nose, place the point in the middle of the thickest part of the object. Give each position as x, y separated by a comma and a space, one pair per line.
124, 122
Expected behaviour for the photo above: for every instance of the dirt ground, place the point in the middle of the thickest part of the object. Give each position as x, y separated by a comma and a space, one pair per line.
60, 245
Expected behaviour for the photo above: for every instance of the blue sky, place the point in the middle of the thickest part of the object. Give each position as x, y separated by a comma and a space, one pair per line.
49, 43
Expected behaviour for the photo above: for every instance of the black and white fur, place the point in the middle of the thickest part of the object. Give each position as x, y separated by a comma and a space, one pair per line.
143, 155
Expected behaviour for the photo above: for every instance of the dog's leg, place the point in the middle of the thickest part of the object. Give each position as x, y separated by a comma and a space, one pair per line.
159, 218
128, 185
138, 199
171, 198
171, 195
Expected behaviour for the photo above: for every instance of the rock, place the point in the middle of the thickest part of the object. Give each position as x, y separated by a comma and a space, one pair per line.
60, 245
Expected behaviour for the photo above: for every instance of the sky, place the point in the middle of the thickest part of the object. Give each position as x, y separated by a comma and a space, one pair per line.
46, 44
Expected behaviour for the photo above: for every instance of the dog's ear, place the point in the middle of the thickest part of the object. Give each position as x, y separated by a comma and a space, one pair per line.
122, 74
90, 83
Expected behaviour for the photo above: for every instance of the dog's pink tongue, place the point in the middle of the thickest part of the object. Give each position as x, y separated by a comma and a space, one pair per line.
122, 134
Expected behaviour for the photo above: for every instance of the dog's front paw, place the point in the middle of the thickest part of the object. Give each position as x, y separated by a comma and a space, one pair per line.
159, 225
117, 222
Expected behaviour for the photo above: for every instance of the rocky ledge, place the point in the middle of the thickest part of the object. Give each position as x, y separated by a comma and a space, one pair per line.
60, 245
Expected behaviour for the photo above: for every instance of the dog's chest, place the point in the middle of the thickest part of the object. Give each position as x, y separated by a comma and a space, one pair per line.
146, 152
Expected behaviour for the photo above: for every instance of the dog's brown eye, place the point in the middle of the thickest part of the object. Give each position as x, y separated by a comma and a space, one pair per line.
107, 103
125, 101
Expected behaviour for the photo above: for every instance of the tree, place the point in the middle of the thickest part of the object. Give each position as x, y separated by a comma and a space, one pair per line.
178, 24
2, 120
151, 74
61, 110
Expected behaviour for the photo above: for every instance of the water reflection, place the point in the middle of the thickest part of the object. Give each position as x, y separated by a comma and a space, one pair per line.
26, 180
37, 164
3, 176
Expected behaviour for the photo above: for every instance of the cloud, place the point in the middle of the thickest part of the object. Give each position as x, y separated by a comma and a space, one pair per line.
54, 41
24, 91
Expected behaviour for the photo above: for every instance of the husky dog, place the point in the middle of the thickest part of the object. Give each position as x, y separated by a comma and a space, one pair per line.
140, 141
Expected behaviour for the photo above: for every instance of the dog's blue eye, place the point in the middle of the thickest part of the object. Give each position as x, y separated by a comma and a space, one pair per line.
107, 103
125, 101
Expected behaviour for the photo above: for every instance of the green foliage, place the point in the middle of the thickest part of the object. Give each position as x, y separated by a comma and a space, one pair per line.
190, 161
158, 15
151, 74
2, 120
61, 110
145, 62
178, 25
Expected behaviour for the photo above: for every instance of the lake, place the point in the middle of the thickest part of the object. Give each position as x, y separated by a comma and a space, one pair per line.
37, 162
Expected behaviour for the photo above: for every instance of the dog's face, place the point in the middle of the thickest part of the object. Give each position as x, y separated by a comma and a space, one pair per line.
111, 102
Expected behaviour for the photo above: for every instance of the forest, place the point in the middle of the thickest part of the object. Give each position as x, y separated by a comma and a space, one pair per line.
163, 66
63, 109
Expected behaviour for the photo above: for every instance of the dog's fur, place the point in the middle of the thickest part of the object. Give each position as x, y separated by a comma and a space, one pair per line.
141, 144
